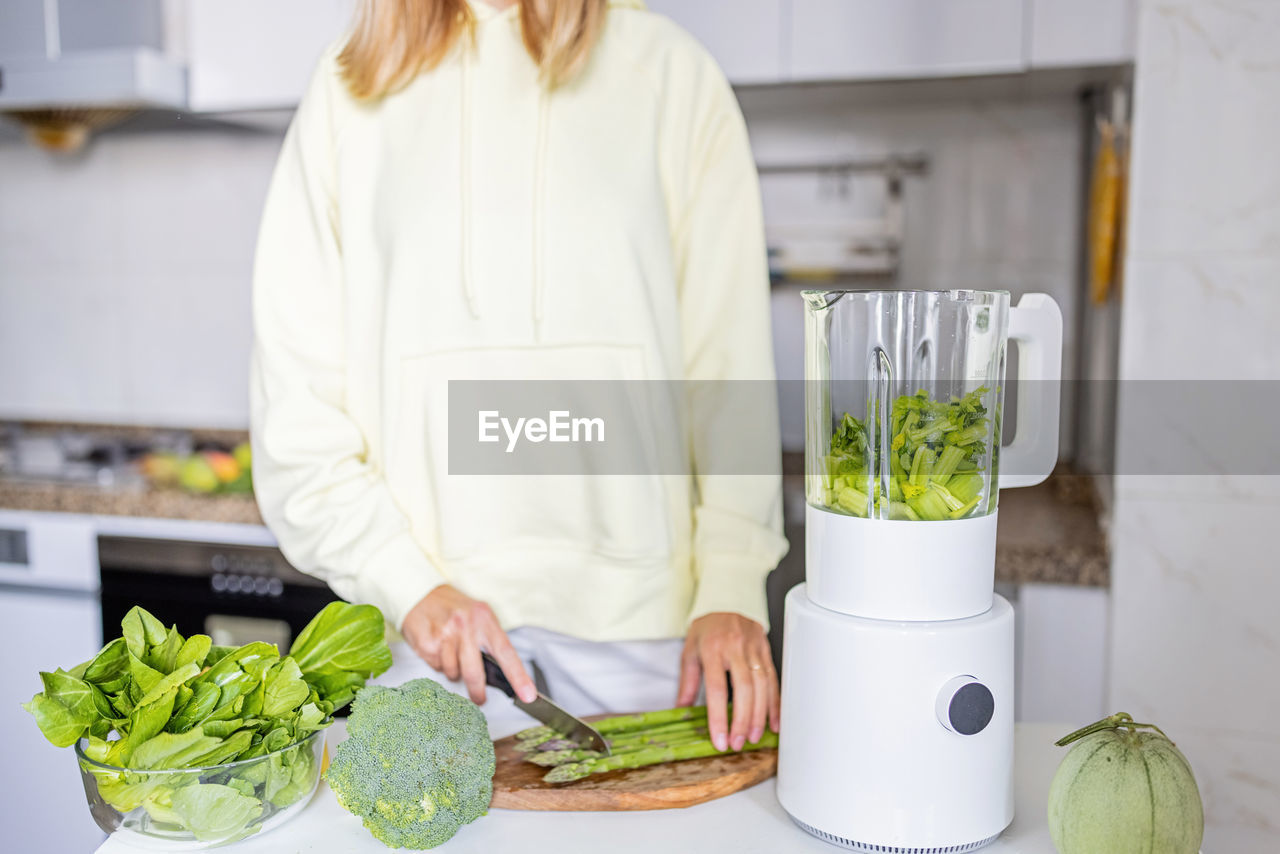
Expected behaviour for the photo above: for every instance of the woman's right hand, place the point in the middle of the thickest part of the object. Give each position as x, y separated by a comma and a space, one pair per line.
449, 629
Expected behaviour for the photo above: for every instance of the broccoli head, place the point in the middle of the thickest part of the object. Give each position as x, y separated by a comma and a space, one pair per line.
417, 763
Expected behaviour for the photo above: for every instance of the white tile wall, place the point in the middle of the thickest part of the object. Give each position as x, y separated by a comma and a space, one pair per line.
1209, 71
998, 208
1194, 622
1225, 303
125, 271
1195, 640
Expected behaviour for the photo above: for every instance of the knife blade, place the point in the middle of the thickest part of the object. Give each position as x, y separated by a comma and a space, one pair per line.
543, 709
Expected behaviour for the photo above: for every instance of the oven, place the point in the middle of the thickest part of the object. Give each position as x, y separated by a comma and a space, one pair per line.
233, 593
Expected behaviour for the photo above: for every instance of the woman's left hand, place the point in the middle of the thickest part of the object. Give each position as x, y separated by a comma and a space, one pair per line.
725, 649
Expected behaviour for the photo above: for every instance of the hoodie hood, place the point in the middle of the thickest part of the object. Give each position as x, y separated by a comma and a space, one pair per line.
483, 10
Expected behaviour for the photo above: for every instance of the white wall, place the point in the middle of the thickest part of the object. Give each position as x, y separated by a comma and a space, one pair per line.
125, 270
1196, 642
124, 274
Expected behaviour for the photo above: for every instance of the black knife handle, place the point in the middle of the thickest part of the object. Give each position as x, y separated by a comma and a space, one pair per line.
494, 676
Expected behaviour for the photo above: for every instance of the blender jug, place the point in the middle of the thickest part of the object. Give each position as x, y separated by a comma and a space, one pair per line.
905, 397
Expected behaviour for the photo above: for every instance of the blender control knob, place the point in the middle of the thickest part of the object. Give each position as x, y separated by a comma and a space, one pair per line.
965, 705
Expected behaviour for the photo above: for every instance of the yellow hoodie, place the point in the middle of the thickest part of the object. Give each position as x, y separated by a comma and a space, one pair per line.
475, 224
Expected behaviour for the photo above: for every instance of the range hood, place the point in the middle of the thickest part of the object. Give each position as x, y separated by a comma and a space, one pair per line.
78, 64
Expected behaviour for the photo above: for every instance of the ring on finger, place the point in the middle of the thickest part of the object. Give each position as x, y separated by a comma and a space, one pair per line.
757, 667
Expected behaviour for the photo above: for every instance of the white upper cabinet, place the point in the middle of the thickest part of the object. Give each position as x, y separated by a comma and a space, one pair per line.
23, 30
259, 54
870, 39
1080, 32
256, 54
744, 36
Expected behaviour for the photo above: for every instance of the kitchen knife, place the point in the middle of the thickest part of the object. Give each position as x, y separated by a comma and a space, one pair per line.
542, 709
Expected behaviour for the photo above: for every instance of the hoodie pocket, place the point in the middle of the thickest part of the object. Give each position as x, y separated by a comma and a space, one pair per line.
464, 517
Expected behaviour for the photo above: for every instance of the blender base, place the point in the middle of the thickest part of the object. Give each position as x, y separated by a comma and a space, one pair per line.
899, 735
869, 848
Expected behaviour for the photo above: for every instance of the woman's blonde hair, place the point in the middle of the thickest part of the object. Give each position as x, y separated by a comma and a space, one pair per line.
394, 40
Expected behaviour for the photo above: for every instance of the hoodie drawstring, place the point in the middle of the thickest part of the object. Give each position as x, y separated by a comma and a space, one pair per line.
538, 252
539, 201
464, 173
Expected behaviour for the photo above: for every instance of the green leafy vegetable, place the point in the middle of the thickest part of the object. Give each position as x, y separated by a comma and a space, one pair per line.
175, 703
337, 646
195, 649
284, 689
937, 451
168, 750
66, 709
109, 669
141, 631
214, 812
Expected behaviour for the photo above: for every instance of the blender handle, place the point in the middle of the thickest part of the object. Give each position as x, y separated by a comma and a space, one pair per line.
1035, 324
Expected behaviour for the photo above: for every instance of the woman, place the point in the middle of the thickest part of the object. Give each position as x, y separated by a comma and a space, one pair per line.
559, 189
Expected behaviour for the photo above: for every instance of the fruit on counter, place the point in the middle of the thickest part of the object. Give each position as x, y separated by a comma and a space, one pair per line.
937, 450
233, 476
223, 464
197, 475
635, 741
417, 763
154, 700
161, 468
243, 455
1124, 787
203, 473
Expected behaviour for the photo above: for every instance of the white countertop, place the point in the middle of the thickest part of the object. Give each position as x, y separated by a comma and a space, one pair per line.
749, 822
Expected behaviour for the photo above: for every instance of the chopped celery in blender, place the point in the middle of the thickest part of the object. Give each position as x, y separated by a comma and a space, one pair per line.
936, 453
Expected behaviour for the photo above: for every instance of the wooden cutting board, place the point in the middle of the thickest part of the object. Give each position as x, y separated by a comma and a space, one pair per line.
518, 785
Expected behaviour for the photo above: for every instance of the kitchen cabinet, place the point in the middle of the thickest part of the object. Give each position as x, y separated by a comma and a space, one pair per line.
49, 618
744, 36
44, 800
1062, 652
1080, 32
870, 39
23, 30
259, 54
256, 54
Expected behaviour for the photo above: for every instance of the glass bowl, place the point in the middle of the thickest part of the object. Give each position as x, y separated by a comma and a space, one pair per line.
188, 809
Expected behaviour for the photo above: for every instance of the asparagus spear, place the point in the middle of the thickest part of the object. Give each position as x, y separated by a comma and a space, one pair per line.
655, 755
538, 733
624, 729
649, 720
558, 744
658, 731
622, 740
552, 758
528, 747
662, 735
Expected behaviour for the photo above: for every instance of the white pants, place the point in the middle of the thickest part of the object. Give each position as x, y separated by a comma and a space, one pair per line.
583, 677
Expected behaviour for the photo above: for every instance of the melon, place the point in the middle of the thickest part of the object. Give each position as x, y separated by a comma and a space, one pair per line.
1124, 788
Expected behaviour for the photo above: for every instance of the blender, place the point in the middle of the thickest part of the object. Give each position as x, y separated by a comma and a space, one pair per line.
898, 656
